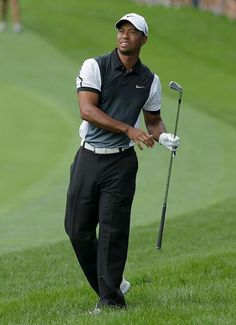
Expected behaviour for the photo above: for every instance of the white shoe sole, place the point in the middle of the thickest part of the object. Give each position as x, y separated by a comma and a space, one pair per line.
125, 286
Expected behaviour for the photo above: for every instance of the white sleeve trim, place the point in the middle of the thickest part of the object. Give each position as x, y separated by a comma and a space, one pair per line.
153, 102
89, 75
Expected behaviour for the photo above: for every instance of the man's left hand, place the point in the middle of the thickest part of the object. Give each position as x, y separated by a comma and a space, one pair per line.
170, 141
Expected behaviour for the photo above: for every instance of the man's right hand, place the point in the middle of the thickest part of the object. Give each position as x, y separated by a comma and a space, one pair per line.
140, 137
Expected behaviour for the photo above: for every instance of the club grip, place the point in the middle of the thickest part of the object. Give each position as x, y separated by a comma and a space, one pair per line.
163, 215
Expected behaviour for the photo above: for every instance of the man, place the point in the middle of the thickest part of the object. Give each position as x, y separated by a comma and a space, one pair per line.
112, 90
4, 4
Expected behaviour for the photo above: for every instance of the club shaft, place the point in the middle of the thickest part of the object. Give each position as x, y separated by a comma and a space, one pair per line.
177, 117
164, 207
161, 229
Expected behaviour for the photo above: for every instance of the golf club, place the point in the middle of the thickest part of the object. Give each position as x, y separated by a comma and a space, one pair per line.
173, 85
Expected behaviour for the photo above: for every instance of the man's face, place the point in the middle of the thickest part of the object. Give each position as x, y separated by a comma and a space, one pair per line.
129, 39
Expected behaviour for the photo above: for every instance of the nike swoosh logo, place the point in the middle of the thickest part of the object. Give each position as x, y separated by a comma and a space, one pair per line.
137, 86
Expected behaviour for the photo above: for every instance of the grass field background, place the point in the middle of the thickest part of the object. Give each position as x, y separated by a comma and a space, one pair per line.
191, 281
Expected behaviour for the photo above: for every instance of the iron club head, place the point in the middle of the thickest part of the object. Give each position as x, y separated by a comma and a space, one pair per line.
173, 85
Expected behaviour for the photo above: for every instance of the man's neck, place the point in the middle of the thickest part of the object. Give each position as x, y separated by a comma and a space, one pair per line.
128, 60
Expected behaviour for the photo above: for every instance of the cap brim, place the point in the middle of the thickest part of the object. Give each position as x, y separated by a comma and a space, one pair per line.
119, 22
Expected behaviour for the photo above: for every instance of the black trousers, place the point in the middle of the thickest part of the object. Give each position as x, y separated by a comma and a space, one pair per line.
100, 194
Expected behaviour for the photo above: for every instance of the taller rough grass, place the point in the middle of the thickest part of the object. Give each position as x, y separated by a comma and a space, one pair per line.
191, 281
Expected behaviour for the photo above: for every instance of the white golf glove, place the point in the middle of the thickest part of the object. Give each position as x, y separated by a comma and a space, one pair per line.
169, 141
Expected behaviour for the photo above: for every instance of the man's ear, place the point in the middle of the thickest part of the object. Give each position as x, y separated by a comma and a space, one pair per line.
144, 39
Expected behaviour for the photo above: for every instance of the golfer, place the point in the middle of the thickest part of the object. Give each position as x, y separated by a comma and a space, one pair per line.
112, 90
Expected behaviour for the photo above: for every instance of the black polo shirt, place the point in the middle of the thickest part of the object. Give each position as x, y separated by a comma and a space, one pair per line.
122, 95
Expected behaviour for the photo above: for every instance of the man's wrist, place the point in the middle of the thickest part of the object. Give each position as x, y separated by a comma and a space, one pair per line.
126, 129
160, 137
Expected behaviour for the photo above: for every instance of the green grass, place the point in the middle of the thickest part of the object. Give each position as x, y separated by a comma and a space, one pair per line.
195, 48
191, 280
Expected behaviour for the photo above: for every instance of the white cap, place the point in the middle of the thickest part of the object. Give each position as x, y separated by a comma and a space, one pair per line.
138, 21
